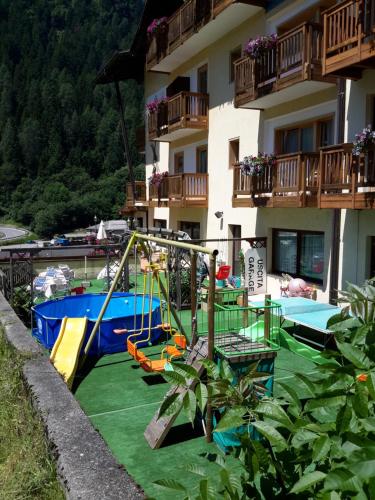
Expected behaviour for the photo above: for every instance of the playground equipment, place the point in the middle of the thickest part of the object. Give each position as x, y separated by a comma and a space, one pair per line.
169, 352
65, 352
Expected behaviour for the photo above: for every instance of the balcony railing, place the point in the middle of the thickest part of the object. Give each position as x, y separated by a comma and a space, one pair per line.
186, 110
292, 182
346, 181
181, 191
296, 58
188, 190
140, 196
349, 36
333, 178
295, 180
184, 23
158, 194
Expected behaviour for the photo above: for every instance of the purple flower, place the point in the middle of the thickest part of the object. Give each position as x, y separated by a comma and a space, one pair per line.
363, 141
155, 24
256, 47
256, 165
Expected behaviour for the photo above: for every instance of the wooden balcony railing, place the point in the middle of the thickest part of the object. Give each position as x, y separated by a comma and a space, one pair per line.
184, 110
140, 193
183, 190
188, 190
333, 178
346, 181
349, 34
296, 57
293, 182
183, 23
158, 195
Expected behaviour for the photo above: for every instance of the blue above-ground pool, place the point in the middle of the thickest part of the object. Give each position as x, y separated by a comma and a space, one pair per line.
121, 312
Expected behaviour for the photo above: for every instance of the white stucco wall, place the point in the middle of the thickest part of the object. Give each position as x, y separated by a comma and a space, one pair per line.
256, 131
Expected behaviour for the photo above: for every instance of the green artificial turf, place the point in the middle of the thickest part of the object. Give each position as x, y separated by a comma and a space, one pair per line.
120, 401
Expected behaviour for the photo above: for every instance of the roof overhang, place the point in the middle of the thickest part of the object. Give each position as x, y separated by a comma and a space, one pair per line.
122, 65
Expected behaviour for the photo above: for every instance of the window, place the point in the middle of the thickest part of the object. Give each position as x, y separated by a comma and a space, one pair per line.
305, 137
234, 152
202, 159
202, 84
234, 55
193, 229
160, 223
179, 163
299, 253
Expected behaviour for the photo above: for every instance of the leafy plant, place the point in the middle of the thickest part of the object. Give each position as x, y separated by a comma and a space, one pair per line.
156, 25
363, 141
258, 46
22, 303
322, 446
257, 165
183, 288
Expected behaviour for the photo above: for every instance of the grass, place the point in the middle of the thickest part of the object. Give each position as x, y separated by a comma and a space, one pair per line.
27, 470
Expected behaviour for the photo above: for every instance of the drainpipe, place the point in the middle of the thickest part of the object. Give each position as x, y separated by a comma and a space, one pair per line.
336, 215
125, 139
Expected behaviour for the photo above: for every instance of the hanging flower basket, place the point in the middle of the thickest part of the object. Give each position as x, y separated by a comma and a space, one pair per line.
157, 25
156, 180
152, 107
256, 165
364, 141
257, 47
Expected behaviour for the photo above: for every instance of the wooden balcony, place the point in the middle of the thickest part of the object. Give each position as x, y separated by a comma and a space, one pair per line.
291, 183
291, 70
349, 38
188, 191
295, 181
190, 29
140, 202
346, 181
250, 190
183, 115
158, 195
181, 191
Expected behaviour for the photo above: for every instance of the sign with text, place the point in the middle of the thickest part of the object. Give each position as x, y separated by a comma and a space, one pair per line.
255, 270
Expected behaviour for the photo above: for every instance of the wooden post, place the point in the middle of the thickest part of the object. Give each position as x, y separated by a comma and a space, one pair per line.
245, 303
11, 276
211, 334
193, 299
267, 318
125, 140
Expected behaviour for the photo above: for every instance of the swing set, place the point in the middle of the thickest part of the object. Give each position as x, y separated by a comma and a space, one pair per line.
171, 351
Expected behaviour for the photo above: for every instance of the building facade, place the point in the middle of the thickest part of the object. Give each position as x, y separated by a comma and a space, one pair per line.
302, 99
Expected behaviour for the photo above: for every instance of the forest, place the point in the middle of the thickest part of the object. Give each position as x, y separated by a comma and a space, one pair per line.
61, 156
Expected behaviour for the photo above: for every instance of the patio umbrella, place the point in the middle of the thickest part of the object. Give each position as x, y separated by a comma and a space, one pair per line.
102, 235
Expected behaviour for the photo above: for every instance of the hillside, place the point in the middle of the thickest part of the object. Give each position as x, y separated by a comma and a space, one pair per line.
61, 158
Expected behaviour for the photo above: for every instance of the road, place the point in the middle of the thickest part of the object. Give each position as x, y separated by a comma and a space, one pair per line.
11, 233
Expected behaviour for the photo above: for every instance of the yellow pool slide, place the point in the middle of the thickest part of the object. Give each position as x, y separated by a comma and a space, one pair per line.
65, 352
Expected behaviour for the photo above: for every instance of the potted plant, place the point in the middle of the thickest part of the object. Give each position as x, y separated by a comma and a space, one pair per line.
257, 47
153, 106
364, 141
157, 26
256, 165
156, 180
